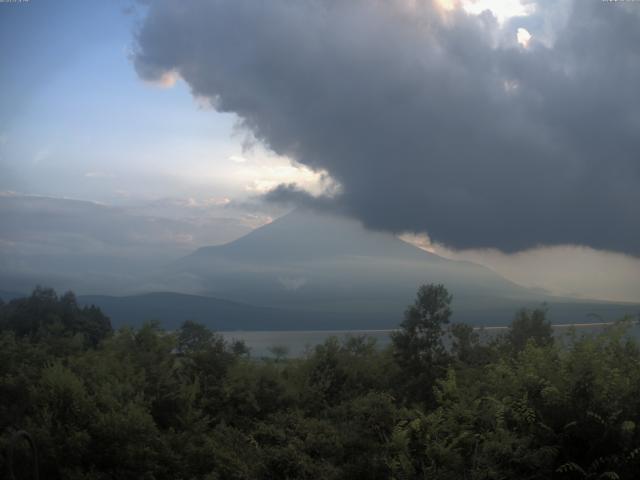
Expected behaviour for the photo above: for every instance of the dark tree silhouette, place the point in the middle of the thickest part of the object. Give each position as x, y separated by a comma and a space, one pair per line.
418, 346
530, 325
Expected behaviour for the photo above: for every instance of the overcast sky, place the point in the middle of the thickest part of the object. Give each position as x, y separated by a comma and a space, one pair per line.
509, 135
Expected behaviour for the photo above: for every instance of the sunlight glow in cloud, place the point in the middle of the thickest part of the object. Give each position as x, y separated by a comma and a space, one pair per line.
501, 9
237, 159
193, 202
447, 5
565, 270
523, 36
263, 177
167, 79
420, 240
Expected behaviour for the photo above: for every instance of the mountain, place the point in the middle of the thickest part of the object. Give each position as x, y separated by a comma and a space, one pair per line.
312, 271
314, 264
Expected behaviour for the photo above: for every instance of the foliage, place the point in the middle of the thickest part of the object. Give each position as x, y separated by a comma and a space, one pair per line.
418, 345
43, 314
530, 326
151, 404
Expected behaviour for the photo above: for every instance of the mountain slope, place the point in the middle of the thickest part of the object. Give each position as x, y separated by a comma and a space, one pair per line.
303, 235
311, 262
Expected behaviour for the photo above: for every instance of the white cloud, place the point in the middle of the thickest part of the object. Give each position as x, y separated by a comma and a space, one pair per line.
262, 171
523, 36
41, 155
192, 202
501, 9
565, 270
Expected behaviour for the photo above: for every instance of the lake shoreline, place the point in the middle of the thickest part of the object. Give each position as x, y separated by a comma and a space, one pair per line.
298, 342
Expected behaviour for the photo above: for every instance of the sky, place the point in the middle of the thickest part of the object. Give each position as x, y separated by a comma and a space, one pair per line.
503, 132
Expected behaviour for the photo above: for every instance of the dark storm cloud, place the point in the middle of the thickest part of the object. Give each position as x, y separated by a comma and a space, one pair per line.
429, 124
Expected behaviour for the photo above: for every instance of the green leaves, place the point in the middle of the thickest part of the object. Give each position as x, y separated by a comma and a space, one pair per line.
47, 318
152, 404
418, 345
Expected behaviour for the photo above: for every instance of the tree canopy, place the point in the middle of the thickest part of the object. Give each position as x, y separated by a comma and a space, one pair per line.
151, 404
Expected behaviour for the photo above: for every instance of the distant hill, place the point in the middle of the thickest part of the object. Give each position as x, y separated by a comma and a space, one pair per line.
171, 309
8, 295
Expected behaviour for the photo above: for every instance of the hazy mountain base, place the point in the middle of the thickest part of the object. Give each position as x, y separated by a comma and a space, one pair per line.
171, 309
304, 271
331, 273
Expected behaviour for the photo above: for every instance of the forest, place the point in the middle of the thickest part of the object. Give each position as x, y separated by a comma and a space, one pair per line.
441, 402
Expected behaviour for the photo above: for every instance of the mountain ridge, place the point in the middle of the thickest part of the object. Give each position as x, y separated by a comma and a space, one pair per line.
315, 262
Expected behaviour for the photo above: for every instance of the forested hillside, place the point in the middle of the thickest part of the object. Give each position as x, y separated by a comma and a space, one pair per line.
148, 404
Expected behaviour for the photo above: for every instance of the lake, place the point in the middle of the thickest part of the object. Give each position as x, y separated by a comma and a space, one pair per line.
297, 342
